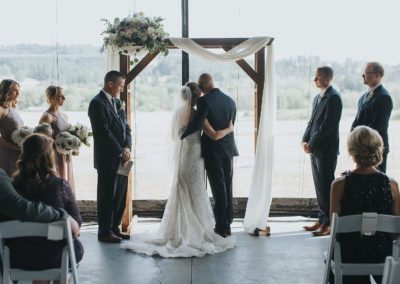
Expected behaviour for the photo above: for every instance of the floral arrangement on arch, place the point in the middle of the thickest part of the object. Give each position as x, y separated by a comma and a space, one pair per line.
138, 32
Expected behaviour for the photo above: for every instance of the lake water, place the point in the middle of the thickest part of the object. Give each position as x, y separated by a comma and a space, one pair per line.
152, 176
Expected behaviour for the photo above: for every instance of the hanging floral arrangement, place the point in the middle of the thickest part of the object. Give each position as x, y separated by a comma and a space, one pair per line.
135, 33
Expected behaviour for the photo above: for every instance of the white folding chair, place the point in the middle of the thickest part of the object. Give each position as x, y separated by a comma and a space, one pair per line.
366, 224
391, 272
53, 231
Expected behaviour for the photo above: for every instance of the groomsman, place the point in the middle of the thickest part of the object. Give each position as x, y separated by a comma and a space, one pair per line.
375, 106
321, 141
112, 144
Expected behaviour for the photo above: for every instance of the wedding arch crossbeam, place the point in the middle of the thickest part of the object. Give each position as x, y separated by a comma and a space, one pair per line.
236, 50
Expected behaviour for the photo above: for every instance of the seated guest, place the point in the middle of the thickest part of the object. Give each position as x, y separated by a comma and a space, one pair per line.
365, 189
36, 180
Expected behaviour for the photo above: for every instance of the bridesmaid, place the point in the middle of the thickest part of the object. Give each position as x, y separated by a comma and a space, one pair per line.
59, 123
9, 121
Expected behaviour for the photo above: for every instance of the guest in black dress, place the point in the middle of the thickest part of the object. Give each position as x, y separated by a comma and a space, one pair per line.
365, 189
36, 180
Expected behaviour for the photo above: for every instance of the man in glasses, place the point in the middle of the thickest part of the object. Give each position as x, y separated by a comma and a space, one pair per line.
375, 106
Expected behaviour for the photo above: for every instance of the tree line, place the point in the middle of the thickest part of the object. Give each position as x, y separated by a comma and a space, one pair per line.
81, 69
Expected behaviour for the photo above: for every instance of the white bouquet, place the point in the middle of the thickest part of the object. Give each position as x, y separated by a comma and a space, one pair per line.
18, 136
67, 144
82, 132
44, 128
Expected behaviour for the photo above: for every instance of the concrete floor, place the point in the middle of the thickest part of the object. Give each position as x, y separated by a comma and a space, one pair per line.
289, 255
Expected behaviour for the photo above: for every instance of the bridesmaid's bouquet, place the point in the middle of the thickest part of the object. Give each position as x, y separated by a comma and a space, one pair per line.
44, 128
67, 144
82, 132
18, 136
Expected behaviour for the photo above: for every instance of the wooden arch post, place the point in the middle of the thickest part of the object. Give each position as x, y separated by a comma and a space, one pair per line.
257, 74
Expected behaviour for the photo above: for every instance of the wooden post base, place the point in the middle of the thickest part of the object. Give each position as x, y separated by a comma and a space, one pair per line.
262, 232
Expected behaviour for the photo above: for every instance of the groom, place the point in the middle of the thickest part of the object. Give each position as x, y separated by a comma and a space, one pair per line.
220, 110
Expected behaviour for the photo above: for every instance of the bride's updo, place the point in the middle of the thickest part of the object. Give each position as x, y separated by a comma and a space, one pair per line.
195, 92
365, 145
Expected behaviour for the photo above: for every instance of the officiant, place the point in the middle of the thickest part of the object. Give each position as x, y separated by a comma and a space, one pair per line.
112, 146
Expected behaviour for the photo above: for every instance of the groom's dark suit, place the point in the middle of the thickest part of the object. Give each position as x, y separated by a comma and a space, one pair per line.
375, 113
111, 133
219, 109
322, 135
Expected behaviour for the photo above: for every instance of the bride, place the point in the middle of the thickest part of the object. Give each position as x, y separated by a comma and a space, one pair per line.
187, 227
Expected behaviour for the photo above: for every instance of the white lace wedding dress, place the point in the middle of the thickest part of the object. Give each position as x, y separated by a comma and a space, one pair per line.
187, 227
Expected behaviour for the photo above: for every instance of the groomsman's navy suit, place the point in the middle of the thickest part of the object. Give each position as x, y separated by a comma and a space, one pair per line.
322, 135
219, 109
111, 133
375, 113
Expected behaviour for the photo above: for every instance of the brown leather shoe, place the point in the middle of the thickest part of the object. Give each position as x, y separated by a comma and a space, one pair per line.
109, 238
325, 230
314, 227
123, 236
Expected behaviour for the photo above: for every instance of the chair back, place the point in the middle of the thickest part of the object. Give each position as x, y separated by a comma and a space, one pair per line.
59, 230
391, 271
367, 224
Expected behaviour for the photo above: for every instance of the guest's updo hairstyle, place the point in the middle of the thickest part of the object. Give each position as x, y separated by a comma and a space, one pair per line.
195, 91
51, 93
365, 145
36, 161
5, 100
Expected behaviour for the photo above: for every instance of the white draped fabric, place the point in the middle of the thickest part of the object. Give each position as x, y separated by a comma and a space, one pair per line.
260, 195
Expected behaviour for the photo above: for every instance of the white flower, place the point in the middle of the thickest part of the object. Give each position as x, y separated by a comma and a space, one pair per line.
66, 143
81, 132
136, 30
18, 136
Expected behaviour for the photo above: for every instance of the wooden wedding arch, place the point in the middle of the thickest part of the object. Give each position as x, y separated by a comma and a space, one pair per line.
256, 73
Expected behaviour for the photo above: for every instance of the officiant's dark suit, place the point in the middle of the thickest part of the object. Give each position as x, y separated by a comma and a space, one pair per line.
375, 107
219, 109
321, 141
112, 142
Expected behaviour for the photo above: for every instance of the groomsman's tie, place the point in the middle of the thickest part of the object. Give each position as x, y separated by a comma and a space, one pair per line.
114, 105
368, 96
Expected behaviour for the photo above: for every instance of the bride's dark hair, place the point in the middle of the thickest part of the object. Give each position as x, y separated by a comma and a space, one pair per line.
195, 91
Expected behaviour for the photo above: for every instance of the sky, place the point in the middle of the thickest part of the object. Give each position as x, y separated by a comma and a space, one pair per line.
333, 30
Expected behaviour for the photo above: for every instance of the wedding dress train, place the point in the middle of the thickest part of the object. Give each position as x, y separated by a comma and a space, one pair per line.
187, 227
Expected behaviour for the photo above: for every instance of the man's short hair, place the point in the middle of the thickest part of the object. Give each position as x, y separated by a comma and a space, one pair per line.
113, 76
326, 71
377, 68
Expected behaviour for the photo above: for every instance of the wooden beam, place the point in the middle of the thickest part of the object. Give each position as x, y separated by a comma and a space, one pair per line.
259, 90
216, 42
124, 63
139, 67
245, 67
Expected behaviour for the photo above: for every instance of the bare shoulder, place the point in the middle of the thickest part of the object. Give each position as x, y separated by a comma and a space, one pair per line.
339, 181
46, 118
338, 184
2, 112
394, 185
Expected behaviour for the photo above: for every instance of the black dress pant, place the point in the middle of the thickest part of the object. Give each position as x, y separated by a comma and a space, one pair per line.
323, 169
382, 166
220, 173
111, 198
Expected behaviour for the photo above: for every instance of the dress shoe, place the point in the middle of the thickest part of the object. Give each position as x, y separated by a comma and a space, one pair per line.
314, 227
123, 236
109, 238
229, 232
325, 230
